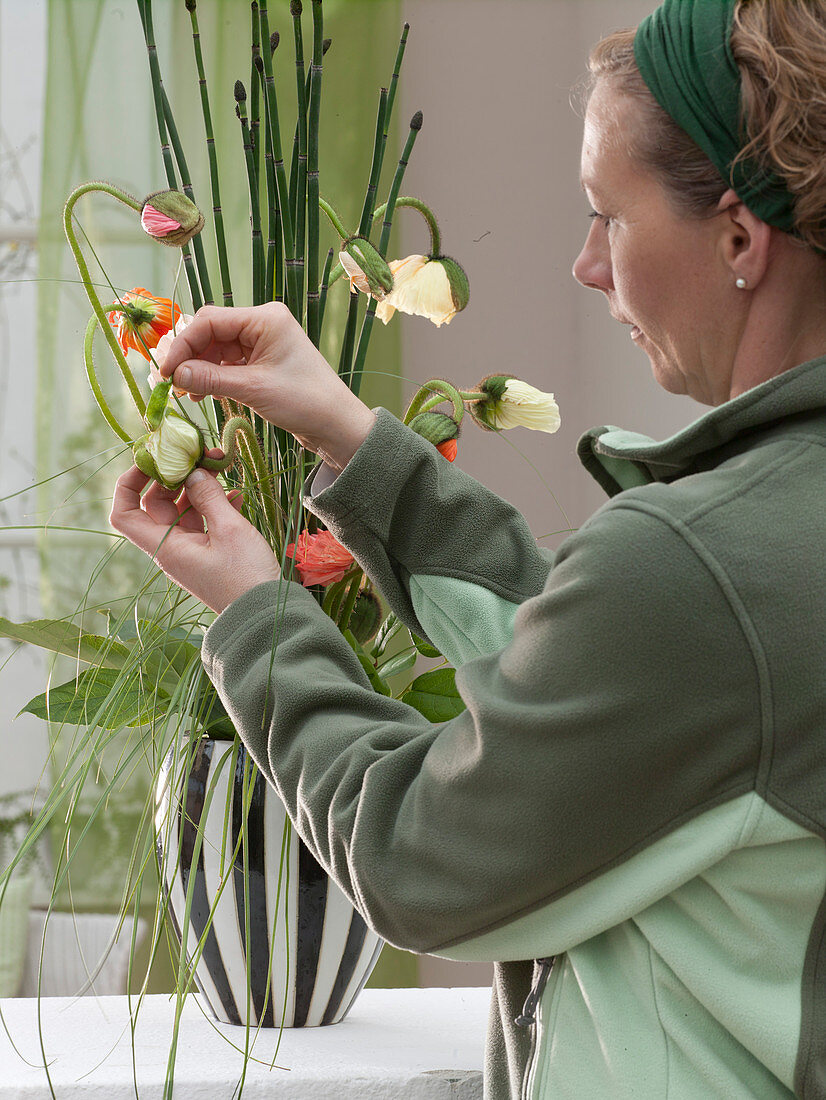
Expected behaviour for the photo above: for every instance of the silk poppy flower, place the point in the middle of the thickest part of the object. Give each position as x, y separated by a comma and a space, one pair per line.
142, 320
319, 558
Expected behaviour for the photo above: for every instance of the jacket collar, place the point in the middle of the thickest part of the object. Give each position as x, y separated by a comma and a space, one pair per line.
620, 459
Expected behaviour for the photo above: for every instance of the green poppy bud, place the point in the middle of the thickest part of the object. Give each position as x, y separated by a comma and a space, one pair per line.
171, 218
366, 269
366, 617
171, 452
435, 427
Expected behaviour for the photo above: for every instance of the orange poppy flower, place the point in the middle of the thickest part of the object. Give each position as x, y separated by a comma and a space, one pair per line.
450, 448
319, 558
142, 320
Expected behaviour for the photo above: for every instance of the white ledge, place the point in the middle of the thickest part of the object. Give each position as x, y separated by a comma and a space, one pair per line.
409, 1044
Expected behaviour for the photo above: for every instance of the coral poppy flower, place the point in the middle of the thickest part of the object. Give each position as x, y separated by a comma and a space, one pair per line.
450, 448
319, 558
142, 320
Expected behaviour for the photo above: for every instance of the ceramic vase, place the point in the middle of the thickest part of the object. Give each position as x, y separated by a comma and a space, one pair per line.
284, 946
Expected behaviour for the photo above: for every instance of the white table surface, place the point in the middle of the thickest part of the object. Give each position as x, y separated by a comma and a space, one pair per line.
404, 1044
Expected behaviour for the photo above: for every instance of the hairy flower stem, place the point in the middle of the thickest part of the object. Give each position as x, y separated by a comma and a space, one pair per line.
313, 298
85, 278
239, 425
88, 358
387, 224
293, 298
255, 211
335, 219
145, 12
433, 393
217, 212
426, 213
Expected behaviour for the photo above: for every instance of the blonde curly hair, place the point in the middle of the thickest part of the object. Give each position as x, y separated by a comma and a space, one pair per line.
780, 49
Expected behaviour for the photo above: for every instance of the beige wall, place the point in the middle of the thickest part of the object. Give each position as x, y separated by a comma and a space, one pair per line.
498, 158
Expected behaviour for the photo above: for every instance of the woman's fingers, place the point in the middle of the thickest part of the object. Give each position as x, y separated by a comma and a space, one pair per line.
128, 517
160, 503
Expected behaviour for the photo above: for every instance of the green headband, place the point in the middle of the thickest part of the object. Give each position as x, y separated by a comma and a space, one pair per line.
683, 51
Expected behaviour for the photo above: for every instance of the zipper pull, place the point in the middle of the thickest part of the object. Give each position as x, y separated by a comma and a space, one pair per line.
527, 1018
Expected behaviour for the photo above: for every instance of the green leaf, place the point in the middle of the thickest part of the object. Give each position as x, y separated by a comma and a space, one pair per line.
434, 695
425, 648
78, 701
401, 662
60, 636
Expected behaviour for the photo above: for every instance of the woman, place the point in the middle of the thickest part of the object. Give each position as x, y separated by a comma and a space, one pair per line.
636, 787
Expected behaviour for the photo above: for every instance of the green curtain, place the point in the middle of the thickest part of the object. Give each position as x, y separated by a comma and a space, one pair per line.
100, 124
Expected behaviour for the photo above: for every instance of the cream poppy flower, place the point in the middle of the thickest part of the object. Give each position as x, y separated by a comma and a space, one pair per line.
171, 452
524, 406
433, 288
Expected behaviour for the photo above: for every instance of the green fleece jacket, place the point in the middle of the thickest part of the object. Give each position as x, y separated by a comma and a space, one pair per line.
638, 784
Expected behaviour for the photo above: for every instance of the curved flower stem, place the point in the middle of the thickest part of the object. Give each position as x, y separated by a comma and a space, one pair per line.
85, 278
239, 425
433, 393
426, 213
108, 416
335, 220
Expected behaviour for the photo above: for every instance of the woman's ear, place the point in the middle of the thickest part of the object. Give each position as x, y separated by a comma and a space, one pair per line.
744, 241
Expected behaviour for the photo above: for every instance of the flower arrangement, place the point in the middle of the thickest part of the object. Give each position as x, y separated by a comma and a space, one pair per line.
143, 674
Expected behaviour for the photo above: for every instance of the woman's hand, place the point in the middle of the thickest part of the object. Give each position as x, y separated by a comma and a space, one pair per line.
199, 540
261, 357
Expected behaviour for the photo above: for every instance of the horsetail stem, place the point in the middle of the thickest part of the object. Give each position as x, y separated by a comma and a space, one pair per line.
255, 213
217, 212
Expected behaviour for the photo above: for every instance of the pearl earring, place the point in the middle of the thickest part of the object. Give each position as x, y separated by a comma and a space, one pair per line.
740, 283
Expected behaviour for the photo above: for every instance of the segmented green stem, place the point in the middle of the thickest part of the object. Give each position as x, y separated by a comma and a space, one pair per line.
186, 187
325, 284
375, 169
255, 91
255, 211
292, 296
384, 240
85, 278
394, 83
298, 197
88, 358
274, 276
313, 300
217, 212
145, 12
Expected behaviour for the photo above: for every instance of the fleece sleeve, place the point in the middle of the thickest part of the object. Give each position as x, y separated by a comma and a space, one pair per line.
452, 559
601, 727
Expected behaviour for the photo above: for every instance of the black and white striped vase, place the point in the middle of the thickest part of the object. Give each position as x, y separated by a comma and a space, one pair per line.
284, 946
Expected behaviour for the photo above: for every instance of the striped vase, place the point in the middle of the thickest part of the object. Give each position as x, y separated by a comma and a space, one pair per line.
284, 945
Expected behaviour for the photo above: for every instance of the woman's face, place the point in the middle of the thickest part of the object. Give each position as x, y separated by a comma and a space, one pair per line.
661, 272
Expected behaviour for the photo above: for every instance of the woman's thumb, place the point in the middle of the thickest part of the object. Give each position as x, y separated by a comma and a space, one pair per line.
206, 495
